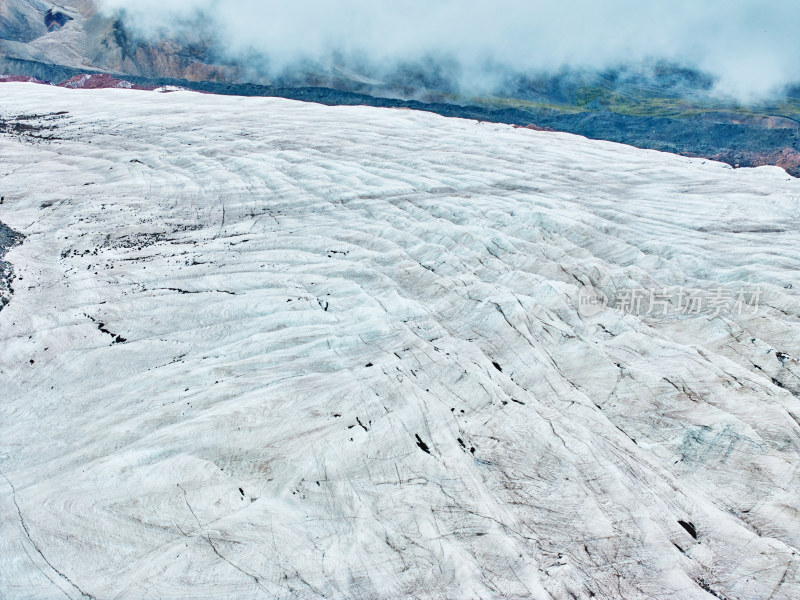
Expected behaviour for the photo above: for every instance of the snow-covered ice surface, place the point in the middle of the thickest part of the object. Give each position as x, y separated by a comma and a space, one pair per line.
266, 349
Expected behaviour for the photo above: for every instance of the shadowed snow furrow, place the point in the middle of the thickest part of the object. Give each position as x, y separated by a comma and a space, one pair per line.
8, 238
268, 349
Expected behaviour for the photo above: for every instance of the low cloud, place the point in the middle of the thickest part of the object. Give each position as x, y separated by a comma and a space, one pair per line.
749, 46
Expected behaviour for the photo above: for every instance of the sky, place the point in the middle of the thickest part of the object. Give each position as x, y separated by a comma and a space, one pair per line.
751, 47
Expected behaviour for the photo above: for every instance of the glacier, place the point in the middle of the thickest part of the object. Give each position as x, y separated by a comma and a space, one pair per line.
259, 348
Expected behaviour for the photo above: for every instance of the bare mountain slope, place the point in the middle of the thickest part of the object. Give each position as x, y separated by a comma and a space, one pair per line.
79, 37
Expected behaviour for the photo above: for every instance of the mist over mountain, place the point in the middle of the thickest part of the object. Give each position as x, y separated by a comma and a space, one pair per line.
746, 48
411, 49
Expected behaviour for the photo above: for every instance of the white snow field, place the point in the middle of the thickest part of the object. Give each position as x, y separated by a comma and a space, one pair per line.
265, 349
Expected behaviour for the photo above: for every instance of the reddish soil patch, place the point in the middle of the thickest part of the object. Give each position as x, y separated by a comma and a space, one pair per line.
98, 82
